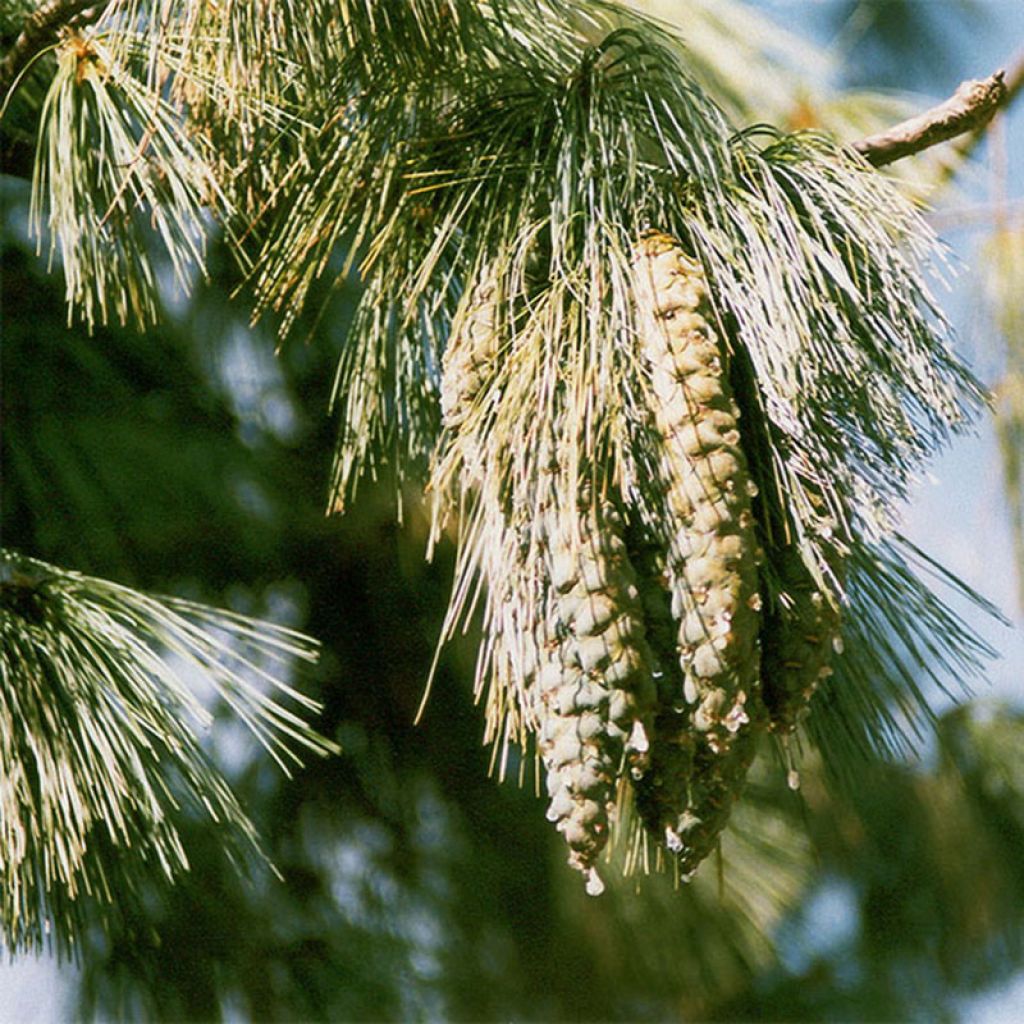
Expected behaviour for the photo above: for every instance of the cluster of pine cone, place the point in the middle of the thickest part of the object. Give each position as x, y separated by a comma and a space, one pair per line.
655, 658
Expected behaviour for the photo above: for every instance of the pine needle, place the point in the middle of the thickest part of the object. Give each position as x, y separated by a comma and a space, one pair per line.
100, 754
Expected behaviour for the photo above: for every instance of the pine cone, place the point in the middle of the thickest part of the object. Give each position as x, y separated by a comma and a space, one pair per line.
661, 790
596, 694
800, 633
711, 563
469, 361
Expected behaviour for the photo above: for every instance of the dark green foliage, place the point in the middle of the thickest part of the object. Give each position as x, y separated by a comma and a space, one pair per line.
422, 141
141, 431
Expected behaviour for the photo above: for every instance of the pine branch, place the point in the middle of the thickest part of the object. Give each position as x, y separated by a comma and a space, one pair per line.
115, 171
1015, 78
42, 28
969, 109
39, 31
101, 758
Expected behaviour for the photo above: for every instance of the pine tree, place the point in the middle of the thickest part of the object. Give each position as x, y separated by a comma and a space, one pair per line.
666, 380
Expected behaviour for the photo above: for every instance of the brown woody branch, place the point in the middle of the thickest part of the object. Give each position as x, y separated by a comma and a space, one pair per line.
1015, 78
969, 109
1014, 84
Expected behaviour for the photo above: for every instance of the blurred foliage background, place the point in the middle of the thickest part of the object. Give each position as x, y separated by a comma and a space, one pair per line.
195, 460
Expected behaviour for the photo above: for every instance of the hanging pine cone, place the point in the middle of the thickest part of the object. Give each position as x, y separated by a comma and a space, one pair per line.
711, 564
566, 634
509, 661
468, 362
595, 695
661, 792
801, 632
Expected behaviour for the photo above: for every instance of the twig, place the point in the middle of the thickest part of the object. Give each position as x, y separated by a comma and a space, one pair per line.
1014, 84
969, 109
41, 28
1015, 77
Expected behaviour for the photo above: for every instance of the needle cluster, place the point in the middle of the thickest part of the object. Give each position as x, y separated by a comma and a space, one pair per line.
684, 449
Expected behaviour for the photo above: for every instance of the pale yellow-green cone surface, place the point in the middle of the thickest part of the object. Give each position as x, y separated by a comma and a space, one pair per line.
662, 791
594, 699
711, 563
800, 636
469, 361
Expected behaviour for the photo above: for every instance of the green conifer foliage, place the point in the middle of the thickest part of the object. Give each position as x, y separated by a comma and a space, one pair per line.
99, 755
568, 383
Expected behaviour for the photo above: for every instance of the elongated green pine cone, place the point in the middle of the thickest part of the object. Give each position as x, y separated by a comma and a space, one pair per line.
685, 797
595, 694
661, 792
711, 562
469, 359
800, 634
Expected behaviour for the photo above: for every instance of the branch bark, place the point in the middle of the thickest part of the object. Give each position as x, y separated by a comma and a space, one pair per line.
969, 109
1014, 84
41, 28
